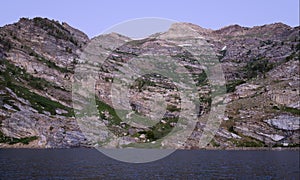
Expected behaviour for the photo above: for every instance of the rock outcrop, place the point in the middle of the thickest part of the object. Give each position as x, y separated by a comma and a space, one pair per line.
260, 88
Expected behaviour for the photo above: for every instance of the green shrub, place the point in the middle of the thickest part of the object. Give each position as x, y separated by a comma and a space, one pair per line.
160, 130
142, 83
11, 140
38, 102
55, 29
172, 108
14, 75
230, 86
257, 67
47, 62
102, 106
7, 45
291, 110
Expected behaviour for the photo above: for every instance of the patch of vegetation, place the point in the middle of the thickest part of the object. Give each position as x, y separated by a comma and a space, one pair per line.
107, 113
258, 66
245, 141
11, 140
298, 47
108, 79
15, 78
275, 108
68, 50
231, 129
47, 62
214, 143
230, 86
229, 124
24, 140
7, 45
206, 101
160, 130
289, 145
142, 83
293, 56
264, 43
200, 79
55, 29
149, 145
187, 57
248, 142
156, 132
291, 110
38, 102
9, 101
14, 73
102, 106
173, 108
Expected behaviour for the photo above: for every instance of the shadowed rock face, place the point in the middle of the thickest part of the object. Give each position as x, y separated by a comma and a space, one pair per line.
260, 64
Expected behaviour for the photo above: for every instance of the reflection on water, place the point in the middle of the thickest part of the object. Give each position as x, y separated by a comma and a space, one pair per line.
89, 163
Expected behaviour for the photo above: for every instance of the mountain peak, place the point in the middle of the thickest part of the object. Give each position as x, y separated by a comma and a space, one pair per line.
191, 27
232, 30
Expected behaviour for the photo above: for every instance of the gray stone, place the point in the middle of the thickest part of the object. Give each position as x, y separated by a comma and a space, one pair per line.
284, 122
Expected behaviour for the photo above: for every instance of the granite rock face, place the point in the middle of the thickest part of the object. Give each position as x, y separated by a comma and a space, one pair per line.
260, 87
53, 132
284, 122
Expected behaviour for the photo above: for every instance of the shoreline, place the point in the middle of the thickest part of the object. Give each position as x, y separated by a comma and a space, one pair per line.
23, 146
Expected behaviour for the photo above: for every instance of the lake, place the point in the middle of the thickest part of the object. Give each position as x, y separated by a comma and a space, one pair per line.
84, 163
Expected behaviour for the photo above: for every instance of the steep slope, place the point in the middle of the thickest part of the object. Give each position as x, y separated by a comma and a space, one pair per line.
37, 62
260, 64
261, 109
258, 98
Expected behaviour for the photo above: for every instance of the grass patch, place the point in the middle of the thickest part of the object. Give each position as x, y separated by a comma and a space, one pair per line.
214, 143
258, 66
291, 110
229, 125
102, 106
156, 145
248, 142
55, 29
15, 77
142, 83
6, 43
157, 131
9, 101
11, 140
16, 74
38, 102
205, 101
160, 130
47, 62
289, 146
230, 86
172, 108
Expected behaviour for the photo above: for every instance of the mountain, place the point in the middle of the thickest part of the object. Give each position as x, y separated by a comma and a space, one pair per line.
261, 94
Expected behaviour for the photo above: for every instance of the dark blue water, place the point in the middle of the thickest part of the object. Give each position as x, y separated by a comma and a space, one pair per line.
90, 164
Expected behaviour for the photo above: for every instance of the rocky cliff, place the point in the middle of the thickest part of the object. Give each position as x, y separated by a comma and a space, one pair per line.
261, 97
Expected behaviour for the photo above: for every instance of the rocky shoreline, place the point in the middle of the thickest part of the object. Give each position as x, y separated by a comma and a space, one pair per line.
22, 146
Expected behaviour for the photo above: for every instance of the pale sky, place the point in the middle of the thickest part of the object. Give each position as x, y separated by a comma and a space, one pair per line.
93, 17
